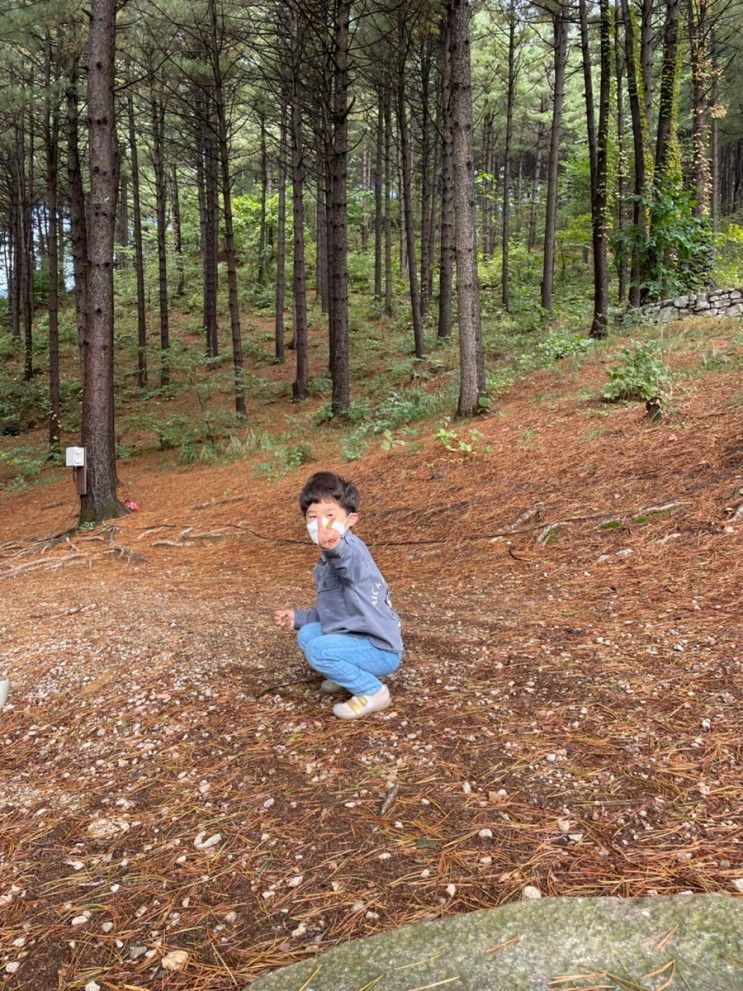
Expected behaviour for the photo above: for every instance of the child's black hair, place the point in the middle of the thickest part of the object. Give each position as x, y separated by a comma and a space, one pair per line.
326, 485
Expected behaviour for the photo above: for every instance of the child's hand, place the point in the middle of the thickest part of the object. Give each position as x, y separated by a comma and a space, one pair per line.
327, 537
284, 617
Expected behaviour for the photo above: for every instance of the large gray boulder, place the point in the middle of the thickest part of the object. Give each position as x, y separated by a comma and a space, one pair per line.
679, 943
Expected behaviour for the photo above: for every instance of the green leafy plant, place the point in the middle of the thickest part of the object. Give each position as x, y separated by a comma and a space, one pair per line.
640, 374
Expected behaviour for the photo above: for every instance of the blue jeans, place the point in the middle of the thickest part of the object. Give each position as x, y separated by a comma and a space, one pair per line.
350, 661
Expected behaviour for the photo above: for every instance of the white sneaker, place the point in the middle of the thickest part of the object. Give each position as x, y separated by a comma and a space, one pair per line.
359, 706
330, 687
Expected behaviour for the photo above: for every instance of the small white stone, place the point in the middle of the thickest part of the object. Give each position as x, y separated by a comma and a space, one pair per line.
11, 968
107, 927
530, 893
451, 890
486, 861
182, 859
485, 834
231, 917
625, 552
737, 884
268, 803
564, 825
92, 986
385, 856
201, 844
294, 882
175, 960
466, 787
358, 906
80, 920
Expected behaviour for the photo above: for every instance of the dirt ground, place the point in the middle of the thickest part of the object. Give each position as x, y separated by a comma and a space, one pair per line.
567, 714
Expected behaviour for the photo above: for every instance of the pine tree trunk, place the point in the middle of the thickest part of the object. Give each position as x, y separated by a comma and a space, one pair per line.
665, 136
321, 227
601, 205
446, 244
714, 145
210, 247
505, 232
138, 248
158, 159
472, 369
177, 231
98, 433
597, 154
299, 294
426, 184
262, 215
639, 151
388, 306
51, 120
378, 199
122, 218
560, 46
78, 225
24, 267
281, 241
698, 38
621, 165
407, 198
531, 242
338, 168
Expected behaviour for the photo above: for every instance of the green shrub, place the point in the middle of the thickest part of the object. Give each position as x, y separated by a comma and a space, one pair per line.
563, 345
640, 374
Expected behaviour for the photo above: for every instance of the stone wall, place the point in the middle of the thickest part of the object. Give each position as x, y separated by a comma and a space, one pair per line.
715, 303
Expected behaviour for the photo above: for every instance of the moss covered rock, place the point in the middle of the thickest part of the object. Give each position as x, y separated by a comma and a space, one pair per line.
678, 943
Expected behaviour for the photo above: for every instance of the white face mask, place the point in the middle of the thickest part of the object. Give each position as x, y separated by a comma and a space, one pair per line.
312, 529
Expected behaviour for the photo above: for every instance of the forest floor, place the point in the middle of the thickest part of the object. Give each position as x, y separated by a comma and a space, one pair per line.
567, 714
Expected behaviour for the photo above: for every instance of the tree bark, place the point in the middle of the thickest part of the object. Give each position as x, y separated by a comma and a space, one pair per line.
281, 241
698, 43
299, 294
621, 166
262, 215
665, 138
122, 218
446, 247
531, 242
51, 120
158, 160
177, 231
229, 237
510, 87
338, 167
407, 193
639, 152
426, 187
597, 151
78, 224
378, 199
472, 369
388, 306
138, 249
98, 433
560, 47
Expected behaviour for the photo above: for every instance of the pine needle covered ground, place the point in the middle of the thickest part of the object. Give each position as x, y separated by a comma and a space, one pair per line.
567, 715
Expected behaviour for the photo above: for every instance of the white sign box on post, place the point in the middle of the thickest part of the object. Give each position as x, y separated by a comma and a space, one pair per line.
75, 457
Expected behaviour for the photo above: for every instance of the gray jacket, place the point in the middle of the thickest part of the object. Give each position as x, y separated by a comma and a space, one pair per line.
352, 596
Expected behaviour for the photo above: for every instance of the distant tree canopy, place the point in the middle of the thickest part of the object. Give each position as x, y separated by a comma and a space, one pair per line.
269, 144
